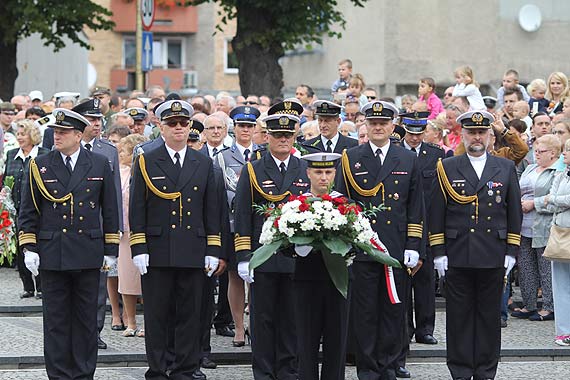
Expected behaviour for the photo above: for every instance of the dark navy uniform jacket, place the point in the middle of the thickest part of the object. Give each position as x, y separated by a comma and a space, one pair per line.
175, 218
398, 187
248, 223
473, 221
315, 144
73, 233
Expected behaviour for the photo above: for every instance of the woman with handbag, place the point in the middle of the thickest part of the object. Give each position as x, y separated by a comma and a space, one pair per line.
558, 249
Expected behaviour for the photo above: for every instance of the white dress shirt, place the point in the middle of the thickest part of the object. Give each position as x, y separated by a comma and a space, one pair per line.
74, 157
478, 163
384, 150
172, 152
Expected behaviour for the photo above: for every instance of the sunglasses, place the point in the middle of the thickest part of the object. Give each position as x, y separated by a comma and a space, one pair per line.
280, 135
250, 103
371, 97
174, 123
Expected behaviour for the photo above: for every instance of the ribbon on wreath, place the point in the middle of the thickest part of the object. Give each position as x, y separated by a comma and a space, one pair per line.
388, 273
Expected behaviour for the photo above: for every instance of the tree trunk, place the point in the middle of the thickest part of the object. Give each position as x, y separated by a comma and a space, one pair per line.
259, 69
8, 69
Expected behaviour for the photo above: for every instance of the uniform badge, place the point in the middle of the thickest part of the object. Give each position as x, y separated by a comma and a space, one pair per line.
396, 196
60, 116
92, 204
96, 103
477, 118
357, 165
424, 152
490, 193
134, 112
176, 107
498, 199
43, 170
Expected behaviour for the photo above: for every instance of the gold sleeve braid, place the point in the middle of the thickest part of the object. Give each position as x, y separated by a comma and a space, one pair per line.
155, 191
137, 238
35, 175
112, 238
215, 240
514, 239
447, 189
242, 243
26, 238
349, 179
415, 230
436, 239
255, 185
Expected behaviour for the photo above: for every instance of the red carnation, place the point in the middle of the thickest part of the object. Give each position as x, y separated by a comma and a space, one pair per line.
340, 201
4, 214
7, 223
276, 223
304, 207
343, 209
326, 197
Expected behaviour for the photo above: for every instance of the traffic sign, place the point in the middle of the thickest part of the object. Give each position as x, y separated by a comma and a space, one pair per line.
146, 51
147, 13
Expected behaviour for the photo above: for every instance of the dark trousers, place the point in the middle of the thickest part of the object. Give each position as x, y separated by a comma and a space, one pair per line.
102, 301
70, 323
273, 331
474, 321
321, 311
223, 312
163, 288
207, 314
26, 275
377, 323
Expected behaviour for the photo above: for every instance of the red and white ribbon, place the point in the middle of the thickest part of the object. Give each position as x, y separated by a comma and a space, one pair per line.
388, 272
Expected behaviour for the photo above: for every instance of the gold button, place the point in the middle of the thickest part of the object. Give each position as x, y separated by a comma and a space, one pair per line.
64, 217
64, 204
173, 212
488, 218
389, 195
64, 230
80, 204
271, 193
80, 218
472, 216
187, 227
472, 203
373, 221
365, 180
396, 182
189, 213
174, 200
490, 204
88, 190
80, 231
163, 187
488, 230
173, 226
388, 222
55, 191
389, 208
188, 200
472, 230
195, 188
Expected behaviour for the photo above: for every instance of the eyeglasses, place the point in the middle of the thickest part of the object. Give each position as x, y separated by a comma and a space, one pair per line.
174, 123
9, 113
448, 94
371, 97
250, 103
214, 128
280, 135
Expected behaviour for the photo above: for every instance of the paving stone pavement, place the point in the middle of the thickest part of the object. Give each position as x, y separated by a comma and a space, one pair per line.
425, 371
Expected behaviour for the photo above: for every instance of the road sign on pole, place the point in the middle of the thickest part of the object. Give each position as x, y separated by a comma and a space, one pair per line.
147, 51
147, 13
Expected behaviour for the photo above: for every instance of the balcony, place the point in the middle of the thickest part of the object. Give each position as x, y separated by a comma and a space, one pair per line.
173, 19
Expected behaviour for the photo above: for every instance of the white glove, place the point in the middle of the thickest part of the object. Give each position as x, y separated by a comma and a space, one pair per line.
109, 261
211, 264
440, 264
244, 272
510, 262
411, 258
32, 261
141, 262
303, 250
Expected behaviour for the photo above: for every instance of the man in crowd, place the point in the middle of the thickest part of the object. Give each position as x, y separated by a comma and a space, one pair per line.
329, 140
305, 94
475, 224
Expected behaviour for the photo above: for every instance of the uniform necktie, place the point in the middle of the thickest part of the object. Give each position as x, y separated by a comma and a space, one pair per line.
379, 156
329, 146
177, 163
68, 164
214, 151
246, 155
88, 147
283, 169
414, 150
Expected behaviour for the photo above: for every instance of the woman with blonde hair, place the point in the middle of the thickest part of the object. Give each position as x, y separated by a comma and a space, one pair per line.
557, 90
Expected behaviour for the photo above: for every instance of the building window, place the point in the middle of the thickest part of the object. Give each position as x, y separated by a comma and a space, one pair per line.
231, 64
167, 52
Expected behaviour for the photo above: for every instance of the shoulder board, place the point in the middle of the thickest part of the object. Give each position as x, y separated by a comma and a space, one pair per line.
221, 150
106, 142
434, 145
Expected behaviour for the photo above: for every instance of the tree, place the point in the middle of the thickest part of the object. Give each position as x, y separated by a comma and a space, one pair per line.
267, 28
52, 20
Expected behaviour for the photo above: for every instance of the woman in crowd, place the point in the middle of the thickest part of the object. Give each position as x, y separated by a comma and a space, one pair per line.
558, 201
557, 90
17, 161
561, 129
129, 276
534, 270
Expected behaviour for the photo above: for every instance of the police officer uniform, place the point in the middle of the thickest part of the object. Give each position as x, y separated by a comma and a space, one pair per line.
272, 315
386, 176
321, 310
475, 223
174, 218
321, 143
69, 216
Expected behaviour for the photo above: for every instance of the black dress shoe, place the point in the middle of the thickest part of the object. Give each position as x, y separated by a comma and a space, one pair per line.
198, 375
426, 339
503, 323
27, 294
100, 344
39, 295
225, 331
208, 363
403, 373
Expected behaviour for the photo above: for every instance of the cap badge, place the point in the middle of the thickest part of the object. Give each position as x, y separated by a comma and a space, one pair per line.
477, 118
96, 103
134, 112
60, 116
287, 105
416, 116
284, 120
247, 110
176, 107
377, 107
325, 105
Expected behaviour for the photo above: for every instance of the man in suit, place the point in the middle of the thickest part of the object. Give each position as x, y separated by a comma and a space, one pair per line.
474, 226
215, 131
330, 139
69, 227
380, 173
271, 179
175, 224
91, 141
423, 279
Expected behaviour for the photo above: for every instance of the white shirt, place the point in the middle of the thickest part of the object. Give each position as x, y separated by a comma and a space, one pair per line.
408, 147
33, 153
74, 157
92, 143
278, 162
334, 141
211, 149
478, 163
242, 150
384, 150
172, 152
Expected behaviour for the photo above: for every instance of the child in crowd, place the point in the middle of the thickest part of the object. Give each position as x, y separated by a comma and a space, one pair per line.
344, 73
466, 86
356, 86
521, 111
426, 92
510, 81
408, 101
537, 90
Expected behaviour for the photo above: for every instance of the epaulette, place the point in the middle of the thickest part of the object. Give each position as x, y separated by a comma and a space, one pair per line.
434, 145
221, 150
106, 142
258, 153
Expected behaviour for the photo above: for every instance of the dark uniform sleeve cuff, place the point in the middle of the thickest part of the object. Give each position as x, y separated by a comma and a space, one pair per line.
242, 243
27, 238
244, 255
137, 241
